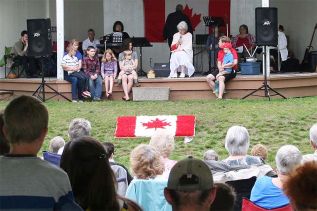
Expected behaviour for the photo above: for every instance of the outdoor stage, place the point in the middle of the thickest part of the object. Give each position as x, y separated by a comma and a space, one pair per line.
289, 85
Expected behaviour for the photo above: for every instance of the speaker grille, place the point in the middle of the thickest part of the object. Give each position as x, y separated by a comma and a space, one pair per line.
39, 33
266, 26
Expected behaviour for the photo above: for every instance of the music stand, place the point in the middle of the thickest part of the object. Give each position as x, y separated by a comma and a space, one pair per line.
141, 42
41, 88
211, 21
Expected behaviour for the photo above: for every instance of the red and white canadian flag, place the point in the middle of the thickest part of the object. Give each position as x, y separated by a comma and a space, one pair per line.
146, 126
156, 11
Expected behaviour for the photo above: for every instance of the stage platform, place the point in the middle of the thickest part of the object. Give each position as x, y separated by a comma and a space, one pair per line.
290, 85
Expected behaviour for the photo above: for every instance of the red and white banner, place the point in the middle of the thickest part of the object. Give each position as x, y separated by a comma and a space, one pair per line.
146, 126
156, 11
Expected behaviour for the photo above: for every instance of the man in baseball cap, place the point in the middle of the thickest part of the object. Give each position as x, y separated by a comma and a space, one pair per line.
190, 186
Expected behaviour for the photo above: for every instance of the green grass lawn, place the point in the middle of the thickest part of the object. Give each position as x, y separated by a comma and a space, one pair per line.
272, 123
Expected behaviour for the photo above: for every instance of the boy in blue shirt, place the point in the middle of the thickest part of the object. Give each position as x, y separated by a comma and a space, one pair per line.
227, 61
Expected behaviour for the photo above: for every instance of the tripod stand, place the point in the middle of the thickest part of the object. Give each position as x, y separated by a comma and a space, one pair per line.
266, 87
40, 91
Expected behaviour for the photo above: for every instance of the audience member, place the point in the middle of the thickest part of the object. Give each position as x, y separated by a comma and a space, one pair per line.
237, 143
267, 192
56, 143
211, 155
72, 64
109, 69
4, 145
78, 127
110, 149
146, 162
20, 52
225, 198
301, 187
148, 185
190, 186
91, 177
259, 150
91, 67
170, 27
313, 143
182, 52
90, 41
164, 144
28, 182
120, 173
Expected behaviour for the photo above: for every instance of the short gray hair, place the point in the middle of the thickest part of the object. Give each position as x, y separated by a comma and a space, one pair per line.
287, 158
182, 25
56, 143
313, 134
237, 140
210, 155
163, 142
79, 127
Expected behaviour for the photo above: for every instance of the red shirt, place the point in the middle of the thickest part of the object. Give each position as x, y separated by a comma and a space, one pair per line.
221, 54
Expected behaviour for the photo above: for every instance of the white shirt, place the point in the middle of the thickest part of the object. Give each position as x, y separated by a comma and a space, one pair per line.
282, 45
70, 61
87, 43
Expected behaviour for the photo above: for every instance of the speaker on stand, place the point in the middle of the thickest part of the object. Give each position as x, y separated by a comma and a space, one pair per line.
40, 46
266, 35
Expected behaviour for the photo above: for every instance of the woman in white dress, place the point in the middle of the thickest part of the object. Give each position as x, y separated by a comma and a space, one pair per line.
182, 52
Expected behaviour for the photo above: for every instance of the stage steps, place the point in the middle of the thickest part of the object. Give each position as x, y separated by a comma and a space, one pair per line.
290, 85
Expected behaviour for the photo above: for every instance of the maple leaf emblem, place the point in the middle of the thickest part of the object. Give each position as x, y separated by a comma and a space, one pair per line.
157, 123
194, 19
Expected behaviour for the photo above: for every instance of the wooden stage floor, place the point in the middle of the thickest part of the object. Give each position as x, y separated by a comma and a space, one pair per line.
290, 85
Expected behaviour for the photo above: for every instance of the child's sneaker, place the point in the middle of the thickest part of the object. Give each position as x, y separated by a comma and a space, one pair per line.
86, 94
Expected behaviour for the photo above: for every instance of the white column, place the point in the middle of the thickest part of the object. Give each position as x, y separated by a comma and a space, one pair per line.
60, 37
266, 3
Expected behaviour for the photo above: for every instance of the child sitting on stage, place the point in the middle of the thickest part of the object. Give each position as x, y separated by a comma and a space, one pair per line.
128, 67
91, 67
71, 66
109, 68
226, 65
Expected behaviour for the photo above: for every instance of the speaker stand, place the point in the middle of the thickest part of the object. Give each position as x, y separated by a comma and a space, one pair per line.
40, 91
266, 87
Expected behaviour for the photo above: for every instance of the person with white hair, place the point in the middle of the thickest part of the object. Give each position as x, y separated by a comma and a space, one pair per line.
237, 143
313, 143
164, 144
78, 128
56, 143
182, 52
267, 192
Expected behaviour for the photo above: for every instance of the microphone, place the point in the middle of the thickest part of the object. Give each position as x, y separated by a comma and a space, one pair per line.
180, 39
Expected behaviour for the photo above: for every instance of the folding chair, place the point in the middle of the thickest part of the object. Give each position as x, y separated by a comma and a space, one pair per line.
243, 190
248, 205
52, 157
10, 63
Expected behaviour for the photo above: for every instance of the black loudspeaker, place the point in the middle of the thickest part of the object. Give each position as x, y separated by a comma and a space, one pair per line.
266, 26
40, 40
162, 69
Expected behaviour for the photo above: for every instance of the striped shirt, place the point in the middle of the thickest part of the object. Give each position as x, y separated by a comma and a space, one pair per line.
29, 183
70, 61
